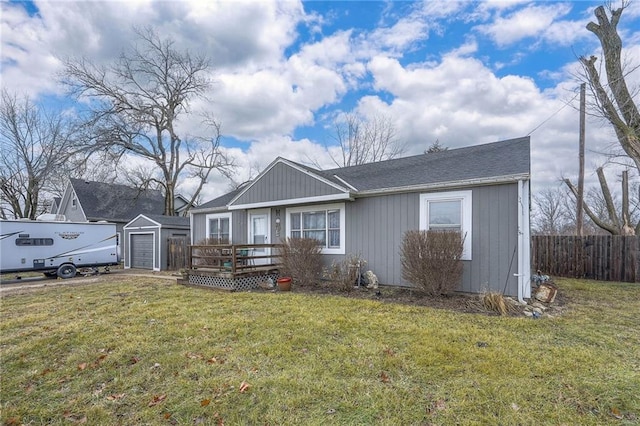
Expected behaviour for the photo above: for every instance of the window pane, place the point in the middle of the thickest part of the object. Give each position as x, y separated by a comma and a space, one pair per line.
224, 226
295, 222
314, 220
444, 213
334, 219
295, 234
214, 230
318, 235
334, 239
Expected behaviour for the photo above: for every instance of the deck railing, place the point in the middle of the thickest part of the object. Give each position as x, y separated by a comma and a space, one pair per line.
234, 258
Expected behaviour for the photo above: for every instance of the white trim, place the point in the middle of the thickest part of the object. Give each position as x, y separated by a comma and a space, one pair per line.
141, 215
466, 200
275, 162
219, 216
155, 250
524, 245
353, 188
315, 207
291, 201
267, 251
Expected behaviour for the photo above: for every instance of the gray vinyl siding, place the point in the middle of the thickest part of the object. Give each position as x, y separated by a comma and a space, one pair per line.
238, 226
495, 237
283, 182
375, 227
374, 230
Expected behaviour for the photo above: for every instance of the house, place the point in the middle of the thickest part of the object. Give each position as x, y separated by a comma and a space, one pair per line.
146, 238
481, 190
88, 201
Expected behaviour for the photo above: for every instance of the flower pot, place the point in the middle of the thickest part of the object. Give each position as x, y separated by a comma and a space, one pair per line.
284, 284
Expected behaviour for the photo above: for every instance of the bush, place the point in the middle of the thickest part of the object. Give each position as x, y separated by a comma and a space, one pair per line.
207, 251
343, 274
302, 260
431, 260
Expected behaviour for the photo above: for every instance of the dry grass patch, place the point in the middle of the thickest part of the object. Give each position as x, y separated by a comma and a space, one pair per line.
145, 351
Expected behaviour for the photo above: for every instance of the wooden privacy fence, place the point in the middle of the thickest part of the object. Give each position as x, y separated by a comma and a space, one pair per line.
599, 257
177, 253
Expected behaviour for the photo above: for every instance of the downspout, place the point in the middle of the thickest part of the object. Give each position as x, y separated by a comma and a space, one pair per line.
523, 273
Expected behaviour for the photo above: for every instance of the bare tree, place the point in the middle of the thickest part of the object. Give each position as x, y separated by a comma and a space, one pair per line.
137, 103
549, 212
365, 140
605, 211
613, 101
35, 144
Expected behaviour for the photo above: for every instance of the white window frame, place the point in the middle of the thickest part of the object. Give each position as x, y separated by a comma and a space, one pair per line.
219, 216
466, 203
316, 207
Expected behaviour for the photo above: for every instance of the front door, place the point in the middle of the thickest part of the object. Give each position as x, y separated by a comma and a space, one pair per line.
259, 231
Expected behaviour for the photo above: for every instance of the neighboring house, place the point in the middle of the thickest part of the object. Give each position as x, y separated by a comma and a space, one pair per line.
181, 206
55, 204
146, 239
481, 190
87, 201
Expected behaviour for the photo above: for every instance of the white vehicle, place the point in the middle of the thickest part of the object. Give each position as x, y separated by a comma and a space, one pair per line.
56, 248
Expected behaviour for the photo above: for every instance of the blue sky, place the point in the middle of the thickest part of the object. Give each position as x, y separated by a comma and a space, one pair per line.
462, 73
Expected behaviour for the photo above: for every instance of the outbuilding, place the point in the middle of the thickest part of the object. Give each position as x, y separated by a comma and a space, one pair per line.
146, 240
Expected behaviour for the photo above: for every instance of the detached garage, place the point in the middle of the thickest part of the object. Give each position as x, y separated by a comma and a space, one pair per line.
146, 240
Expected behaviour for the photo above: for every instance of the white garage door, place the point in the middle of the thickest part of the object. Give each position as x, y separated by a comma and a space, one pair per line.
142, 251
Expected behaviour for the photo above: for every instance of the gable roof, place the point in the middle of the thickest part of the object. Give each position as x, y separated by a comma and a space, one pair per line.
501, 161
167, 221
115, 202
474, 163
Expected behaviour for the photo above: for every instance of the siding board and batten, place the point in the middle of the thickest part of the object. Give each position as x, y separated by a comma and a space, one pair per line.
283, 182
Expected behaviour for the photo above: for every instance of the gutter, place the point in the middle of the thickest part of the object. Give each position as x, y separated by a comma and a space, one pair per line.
445, 185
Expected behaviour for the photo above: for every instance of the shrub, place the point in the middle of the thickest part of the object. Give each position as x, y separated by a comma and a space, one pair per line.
343, 274
301, 260
431, 260
207, 251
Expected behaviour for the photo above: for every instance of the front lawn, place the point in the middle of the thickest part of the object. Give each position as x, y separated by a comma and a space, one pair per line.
133, 350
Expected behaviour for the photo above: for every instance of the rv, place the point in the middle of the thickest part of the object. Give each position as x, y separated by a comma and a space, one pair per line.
56, 248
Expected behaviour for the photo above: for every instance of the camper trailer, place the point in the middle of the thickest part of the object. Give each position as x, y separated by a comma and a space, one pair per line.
56, 248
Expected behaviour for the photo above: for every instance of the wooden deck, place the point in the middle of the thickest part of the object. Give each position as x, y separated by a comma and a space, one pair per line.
231, 266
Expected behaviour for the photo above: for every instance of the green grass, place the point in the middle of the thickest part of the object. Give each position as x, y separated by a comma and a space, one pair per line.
103, 353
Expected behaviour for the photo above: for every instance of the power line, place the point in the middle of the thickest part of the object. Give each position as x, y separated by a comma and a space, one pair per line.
554, 114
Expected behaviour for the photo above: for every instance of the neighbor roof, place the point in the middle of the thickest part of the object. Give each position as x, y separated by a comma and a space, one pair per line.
169, 221
114, 202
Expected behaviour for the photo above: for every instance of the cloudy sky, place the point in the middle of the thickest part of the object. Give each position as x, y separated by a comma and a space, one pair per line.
463, 73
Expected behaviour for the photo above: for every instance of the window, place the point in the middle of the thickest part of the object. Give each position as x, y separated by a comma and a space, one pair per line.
34, 241
324, 223
219, 228
448, 211
74, 203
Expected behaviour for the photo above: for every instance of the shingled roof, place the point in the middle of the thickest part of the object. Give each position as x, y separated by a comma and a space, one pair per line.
114, 202
478, 163
504, 158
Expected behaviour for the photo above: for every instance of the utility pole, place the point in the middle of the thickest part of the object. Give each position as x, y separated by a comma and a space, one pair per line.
580, 196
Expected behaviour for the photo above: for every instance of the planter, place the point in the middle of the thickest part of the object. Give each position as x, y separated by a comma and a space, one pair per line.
284, 284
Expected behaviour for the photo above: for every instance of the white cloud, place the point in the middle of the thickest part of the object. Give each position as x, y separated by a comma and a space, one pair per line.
460, 102
531, 21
